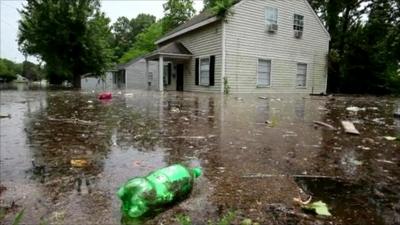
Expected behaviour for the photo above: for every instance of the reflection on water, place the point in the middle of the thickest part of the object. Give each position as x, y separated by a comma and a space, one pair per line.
64, 154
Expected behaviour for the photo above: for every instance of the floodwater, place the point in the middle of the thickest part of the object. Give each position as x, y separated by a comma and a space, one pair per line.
252, 168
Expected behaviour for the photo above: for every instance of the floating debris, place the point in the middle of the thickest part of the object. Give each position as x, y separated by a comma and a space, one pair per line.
79, 162
325, 125
105, 96
355, 109
350, 128
318, 207
385, 161
175, 110
389, 138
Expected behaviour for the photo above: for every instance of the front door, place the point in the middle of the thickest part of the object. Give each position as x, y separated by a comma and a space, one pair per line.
179, 77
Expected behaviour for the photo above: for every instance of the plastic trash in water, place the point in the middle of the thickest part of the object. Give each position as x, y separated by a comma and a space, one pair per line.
105, 96
142, 195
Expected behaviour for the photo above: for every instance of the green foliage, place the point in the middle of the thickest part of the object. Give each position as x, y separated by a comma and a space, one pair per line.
32, 71
9, 70
72, 37
183, 219
144, 42
319, 208
227, 88
176, 13
365, 53
227, 219
222, 8
18, 218
125, 32
209, 3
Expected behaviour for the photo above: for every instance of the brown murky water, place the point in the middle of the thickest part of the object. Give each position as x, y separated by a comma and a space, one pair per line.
250, 167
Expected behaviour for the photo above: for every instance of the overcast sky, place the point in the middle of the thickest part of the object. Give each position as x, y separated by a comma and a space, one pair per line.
9, 17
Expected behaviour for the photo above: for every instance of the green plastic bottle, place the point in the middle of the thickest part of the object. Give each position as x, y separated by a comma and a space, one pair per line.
141, 195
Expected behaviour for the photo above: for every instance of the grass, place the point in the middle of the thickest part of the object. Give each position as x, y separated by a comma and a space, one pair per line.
227, 219
18, 218
183, 219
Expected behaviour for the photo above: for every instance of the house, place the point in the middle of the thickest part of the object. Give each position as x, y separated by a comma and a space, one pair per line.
21, 79
265, 46
132, 75
89, 82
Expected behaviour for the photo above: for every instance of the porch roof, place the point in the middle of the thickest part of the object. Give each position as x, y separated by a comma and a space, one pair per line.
173, 50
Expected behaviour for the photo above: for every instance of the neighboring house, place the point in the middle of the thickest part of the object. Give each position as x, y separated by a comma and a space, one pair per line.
93, 83
266, 46
21, 79
132, 75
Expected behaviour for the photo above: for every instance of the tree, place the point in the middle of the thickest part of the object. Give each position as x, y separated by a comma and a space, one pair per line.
144, 42
125, 32
9, 70
72, 37
176, 13
209, 3
32, 71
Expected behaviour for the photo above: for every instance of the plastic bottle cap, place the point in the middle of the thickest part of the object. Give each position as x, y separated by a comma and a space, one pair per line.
197, 172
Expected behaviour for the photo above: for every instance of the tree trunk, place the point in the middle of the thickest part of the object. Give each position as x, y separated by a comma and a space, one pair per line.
76, 82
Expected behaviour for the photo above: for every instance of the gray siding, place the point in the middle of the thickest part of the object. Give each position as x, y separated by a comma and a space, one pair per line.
97, 84
136, 75
205, 41
247, 40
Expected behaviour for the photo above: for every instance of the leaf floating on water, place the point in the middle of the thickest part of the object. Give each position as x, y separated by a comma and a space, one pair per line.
390, 138
319, 208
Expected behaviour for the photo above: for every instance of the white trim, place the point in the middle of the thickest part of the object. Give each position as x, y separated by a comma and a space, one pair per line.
126, 79
318, 19
307, 72
209, 63
270, 73
193, 27
326, 74
223, 57
161, 74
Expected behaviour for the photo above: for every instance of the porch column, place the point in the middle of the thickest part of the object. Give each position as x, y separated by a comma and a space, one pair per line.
147, 72
161, 73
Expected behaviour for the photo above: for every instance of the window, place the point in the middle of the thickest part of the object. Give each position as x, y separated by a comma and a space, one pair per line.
301, 77
205, 71
298, 23
264, 73
271, 16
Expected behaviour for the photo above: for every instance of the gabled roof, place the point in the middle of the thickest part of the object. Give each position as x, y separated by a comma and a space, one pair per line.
173, 49
130, 62
207, 17
204, 18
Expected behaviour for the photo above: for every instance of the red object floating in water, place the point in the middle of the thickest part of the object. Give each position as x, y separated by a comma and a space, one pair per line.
105, 96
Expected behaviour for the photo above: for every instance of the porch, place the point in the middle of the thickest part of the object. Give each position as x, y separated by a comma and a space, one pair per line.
173, 60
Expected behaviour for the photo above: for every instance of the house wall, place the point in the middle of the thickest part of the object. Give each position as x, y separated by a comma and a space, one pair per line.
205, 41
136, 75
247, 40
97, 84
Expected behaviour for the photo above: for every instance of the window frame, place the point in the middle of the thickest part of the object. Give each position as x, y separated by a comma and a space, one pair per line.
209, 62
305, 75
259, 85
267, 21
298, 25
